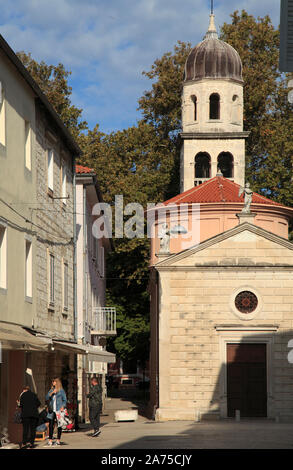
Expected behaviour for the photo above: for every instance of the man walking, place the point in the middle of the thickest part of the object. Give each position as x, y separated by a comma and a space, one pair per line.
95, 405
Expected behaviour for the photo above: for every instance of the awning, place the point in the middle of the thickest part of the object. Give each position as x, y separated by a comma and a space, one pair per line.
94, 353
99, 355
15, 337
69, 347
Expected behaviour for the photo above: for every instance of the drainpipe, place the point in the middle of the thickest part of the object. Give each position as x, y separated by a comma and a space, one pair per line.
157, 404
74, 254
85, 286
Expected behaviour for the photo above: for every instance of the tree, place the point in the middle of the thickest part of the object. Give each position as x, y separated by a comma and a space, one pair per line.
136, 163
53, 81
267, 114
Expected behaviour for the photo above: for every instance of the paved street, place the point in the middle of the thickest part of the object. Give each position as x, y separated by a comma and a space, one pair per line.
146, 434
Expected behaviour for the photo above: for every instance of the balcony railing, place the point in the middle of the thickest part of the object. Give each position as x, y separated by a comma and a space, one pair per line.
104, 321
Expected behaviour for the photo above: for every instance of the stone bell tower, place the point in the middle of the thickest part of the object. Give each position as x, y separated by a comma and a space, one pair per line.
212, 113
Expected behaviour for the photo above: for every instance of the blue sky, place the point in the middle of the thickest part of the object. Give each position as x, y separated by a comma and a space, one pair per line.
108, 43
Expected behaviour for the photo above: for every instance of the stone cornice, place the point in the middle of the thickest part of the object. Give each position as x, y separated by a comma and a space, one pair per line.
213, 135
224, 236
220, 268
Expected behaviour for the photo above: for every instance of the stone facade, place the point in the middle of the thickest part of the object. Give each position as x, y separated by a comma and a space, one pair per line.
197, 318
55, 216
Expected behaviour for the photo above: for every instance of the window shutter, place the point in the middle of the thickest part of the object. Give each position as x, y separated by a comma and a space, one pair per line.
286, 36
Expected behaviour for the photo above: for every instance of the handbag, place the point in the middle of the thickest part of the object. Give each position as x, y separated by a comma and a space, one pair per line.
62, 418
17, 416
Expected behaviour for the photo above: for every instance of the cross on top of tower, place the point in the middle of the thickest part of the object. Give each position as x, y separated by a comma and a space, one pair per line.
212, 31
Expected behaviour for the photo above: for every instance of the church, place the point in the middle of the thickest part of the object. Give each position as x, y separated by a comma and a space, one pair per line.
221, 308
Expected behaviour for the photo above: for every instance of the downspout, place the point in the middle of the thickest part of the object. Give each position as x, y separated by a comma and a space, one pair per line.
157, 343
74, 253
85, 286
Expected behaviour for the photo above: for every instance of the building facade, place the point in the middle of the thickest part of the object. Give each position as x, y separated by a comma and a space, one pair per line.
221, 307
37, 243
95, 321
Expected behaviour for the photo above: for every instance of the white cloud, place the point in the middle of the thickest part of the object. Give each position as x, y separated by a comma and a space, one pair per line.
107, 43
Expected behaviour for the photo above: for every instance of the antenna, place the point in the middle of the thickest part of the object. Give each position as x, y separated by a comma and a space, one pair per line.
212, 7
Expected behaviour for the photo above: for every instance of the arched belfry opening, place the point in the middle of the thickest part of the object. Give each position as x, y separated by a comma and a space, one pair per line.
215, 106
226, 164
202, 167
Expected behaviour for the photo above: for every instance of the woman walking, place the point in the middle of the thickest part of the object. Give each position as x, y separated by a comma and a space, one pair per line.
56, 398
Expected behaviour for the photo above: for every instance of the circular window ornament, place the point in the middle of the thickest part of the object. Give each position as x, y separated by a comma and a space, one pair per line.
246, 302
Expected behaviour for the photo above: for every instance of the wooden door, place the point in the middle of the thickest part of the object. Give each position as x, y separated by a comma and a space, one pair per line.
247, 380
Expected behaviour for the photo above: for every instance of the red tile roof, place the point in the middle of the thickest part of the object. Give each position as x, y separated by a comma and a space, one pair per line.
83, 169
217, 190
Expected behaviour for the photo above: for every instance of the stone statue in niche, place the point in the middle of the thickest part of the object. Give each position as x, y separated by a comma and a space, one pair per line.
247, 197
164, 236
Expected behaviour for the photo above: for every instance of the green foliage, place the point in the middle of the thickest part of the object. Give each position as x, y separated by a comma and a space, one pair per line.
267, 113
53, 81
142, 162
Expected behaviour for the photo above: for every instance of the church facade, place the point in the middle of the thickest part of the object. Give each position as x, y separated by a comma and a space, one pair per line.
221, 308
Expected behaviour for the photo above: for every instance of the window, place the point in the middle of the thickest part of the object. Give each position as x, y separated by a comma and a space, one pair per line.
246, 302
226, 164
64, 183
2, 117
27, 145
28, 269
194, 100
50, 169
101, 262
3, 257
51, 280
65, 286
215, 106
202, 165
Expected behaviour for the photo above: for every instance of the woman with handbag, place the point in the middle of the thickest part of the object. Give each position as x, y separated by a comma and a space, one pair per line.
57, 400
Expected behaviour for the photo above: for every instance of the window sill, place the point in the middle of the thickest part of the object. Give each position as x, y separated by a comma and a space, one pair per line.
29, 299
50, 193
51, 308
3, 290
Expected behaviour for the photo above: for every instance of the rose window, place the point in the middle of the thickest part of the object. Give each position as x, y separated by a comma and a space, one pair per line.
246, 302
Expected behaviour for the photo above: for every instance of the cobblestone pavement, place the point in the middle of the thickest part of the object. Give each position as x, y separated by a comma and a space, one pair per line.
147, 434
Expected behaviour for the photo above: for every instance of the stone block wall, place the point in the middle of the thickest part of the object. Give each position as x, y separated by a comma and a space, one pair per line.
55, 217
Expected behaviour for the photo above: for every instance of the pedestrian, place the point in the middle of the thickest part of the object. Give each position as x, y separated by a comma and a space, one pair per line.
29, 403
43, 421
95, 405
57, 401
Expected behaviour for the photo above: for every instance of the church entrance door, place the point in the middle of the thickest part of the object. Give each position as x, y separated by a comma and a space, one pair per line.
247, 379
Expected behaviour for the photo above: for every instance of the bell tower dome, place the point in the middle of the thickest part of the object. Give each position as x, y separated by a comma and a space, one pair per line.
212, 113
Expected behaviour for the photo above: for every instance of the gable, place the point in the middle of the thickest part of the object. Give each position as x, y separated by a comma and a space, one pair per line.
250, 246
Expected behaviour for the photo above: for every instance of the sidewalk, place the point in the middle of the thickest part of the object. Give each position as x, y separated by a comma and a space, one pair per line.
146, 434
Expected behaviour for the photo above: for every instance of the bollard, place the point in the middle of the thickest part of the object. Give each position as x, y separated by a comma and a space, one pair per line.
237, 415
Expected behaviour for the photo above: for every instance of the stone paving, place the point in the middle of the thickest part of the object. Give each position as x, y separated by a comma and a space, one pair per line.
147, 434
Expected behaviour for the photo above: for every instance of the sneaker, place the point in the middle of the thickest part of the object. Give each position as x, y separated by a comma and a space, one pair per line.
49, 444
96, 433
57, 443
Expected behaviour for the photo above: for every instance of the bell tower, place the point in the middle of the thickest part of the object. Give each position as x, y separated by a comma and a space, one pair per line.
212, 113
